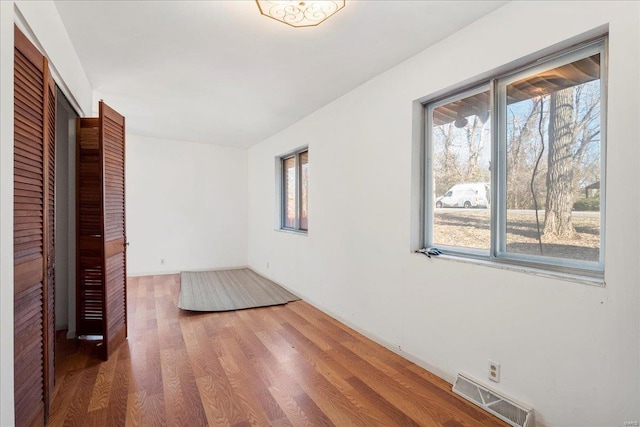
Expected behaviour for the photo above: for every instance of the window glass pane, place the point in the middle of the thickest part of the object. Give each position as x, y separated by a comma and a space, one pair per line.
461, 154
553, 162
289, 192
304, 194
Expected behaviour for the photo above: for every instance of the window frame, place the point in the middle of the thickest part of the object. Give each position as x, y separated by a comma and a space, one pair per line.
298, 190
430, 182
496, 84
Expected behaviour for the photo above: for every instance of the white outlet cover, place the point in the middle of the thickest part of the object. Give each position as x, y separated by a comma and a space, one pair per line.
494, 371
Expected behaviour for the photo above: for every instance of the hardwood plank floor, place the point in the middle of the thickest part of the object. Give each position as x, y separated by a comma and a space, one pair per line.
288, 365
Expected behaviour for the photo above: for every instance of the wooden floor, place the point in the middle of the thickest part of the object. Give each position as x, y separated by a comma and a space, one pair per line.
288, 365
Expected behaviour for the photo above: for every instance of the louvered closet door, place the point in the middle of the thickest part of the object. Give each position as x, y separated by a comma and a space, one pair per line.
50, 221
32, 296
115, 303
89, 246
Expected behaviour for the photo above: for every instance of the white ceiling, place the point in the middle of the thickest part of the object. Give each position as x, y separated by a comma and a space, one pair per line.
219, 72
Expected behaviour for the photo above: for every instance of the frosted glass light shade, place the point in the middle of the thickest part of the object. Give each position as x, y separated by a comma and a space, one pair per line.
299, 13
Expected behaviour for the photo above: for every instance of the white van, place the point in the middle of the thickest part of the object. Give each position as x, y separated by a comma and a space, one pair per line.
470, 195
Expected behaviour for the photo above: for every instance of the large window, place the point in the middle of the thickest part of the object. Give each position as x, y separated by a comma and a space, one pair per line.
515, 166
295, 178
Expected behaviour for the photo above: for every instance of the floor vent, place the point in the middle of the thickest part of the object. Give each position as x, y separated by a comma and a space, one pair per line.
505, 408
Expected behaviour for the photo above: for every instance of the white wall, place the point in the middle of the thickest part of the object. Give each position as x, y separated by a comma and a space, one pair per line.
6, 213
186, 204
570, 350
44, 27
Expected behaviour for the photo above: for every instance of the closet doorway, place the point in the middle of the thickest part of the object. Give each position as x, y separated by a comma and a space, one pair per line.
65, 224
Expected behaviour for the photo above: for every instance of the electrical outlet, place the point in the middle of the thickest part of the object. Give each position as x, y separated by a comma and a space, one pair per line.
267, 265
162, 261
494, 371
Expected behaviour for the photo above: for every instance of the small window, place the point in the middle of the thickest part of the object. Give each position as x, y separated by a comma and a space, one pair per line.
295, 179
515, 166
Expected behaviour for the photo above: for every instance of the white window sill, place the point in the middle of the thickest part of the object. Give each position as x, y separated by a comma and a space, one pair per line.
569, 277
287, 231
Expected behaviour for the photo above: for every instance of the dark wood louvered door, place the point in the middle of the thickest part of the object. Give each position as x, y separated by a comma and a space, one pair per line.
101, 239
112, 142
50, 233
34, 169
89, 286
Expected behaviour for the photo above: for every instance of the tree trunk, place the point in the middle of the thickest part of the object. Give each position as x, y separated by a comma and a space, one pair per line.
446, 160
557, 223
473, 146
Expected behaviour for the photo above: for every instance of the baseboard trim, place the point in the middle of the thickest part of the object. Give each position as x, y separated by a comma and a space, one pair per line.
167, 273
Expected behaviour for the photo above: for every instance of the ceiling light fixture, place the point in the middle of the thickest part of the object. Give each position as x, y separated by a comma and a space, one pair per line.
299, 13
461, 120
